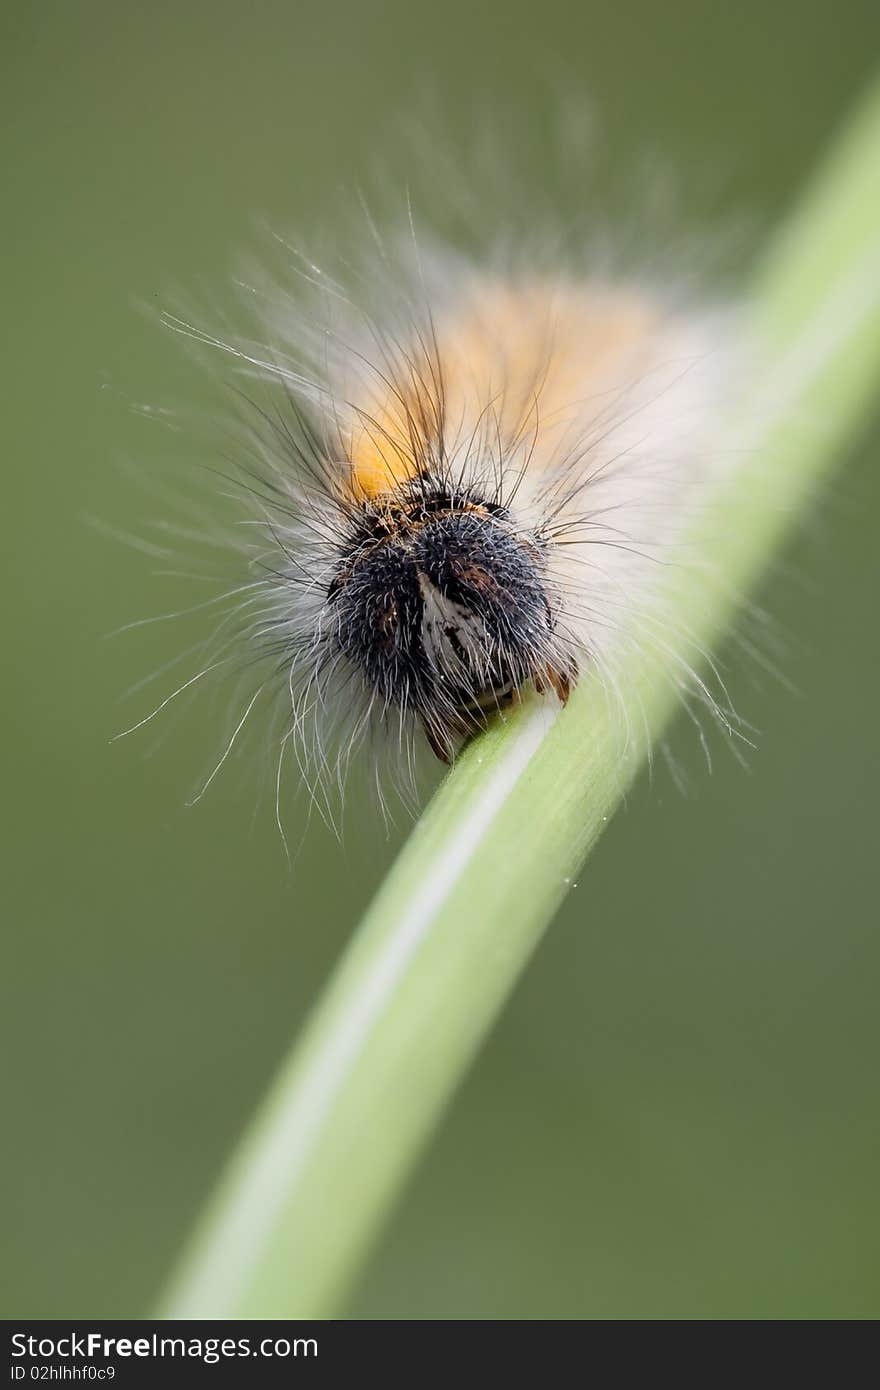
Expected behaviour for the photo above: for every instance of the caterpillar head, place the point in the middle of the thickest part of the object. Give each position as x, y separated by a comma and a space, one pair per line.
443, 606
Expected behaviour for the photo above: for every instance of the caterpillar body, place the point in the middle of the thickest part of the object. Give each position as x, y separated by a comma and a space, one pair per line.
470, 490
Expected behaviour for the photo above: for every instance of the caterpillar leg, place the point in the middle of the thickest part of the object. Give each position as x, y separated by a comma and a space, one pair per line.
439, 746
561, 682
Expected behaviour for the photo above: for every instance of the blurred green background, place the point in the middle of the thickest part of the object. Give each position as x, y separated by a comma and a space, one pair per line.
678, 1115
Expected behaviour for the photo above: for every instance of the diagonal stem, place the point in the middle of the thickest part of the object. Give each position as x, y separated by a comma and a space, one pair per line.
484, 870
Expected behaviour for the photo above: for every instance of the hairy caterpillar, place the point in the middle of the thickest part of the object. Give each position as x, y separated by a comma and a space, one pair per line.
470, 488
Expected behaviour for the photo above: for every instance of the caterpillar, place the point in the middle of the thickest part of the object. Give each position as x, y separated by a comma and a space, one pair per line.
467, 489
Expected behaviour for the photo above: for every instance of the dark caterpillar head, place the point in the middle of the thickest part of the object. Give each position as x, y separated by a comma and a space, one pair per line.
443, 608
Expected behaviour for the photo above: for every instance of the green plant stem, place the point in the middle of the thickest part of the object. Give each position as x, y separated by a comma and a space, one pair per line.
485, 869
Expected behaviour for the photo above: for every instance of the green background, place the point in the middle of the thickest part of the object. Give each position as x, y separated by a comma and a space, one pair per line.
678, 1113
